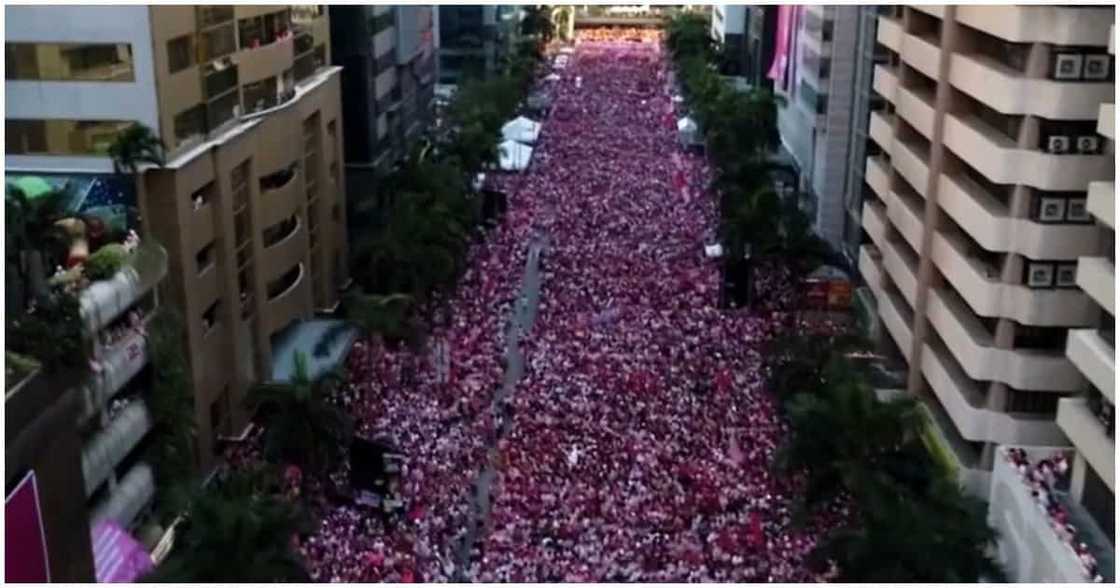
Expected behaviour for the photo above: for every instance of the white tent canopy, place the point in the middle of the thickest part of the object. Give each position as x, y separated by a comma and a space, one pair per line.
514, 156
688, 130
521, 129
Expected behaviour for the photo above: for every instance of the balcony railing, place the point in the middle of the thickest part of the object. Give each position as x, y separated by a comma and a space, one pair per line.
105, 300
110, 445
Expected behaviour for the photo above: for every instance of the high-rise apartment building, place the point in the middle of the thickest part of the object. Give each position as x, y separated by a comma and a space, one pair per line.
387, 54
249, 207
474, 39
982, 245
823, 64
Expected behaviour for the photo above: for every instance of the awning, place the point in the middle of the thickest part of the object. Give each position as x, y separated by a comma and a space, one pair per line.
521, 129
117, 556
514, 156
305, 337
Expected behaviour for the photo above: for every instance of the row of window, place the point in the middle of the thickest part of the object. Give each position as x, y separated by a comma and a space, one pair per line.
93, 62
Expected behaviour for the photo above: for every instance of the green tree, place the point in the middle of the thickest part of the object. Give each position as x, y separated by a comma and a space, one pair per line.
381, 317
944, 538
34, 244
239, 531
172, 407
133, 147
688, 34
302, 426
843, 437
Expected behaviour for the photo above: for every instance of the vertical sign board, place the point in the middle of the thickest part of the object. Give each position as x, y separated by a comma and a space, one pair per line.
25, 542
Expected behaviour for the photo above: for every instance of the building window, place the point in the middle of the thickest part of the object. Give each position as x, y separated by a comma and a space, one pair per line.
213, 14
219, 79
320, 55
303, 13
180, 53
216, 43
210, 317
220, 111
239, 182
280, 231
190, 124
204, 259
61, 137
259, 95
266, 29
279, 178
381, 22
98, 62
202, 196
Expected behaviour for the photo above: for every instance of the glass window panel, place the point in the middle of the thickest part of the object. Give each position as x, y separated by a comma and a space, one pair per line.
105, 62
180, 53
219, 111
217, 42
190, 123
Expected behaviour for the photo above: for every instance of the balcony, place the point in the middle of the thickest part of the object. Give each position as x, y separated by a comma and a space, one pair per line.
996, 156
1010, 92
915, 106
874, 221
119, 363
889, 34
951, 450
910, 158
880, 127
966, 407
1097, 277
871, 268
1056, 25
1089, 436
133, 493
1106, 118
877, 174
974, 348
897, 318
110, 445
906, 216
982, 288
286, 251
930, 9
281, 200
902, 266
385, 82
1095, 358
291, 301
103, 301
885, 81
1029, 548
266, 61
989, 223
922, 53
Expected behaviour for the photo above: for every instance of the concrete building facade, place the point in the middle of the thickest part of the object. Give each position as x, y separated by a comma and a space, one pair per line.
977, 218
472, 40
249, 209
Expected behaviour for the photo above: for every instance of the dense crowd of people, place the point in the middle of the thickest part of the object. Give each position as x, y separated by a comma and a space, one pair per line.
1047, 477
638, 445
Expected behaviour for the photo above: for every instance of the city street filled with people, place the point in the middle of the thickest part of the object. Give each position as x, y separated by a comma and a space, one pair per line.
638, 444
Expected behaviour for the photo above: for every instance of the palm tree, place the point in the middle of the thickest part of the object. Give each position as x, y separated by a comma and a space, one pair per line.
303, 427
236, 532
799, 362
134, 146
384, 317
842, 438
944, 539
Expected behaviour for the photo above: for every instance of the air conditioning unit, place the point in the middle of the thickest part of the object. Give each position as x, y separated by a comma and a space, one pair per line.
1077, 210
1057, 144
1088, 144
1067, 275
1052, 210
1068, 66
1040, 275
1097, 66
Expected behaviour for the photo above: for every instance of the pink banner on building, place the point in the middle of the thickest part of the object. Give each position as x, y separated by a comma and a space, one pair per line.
25, 542
778, 67
117, 557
